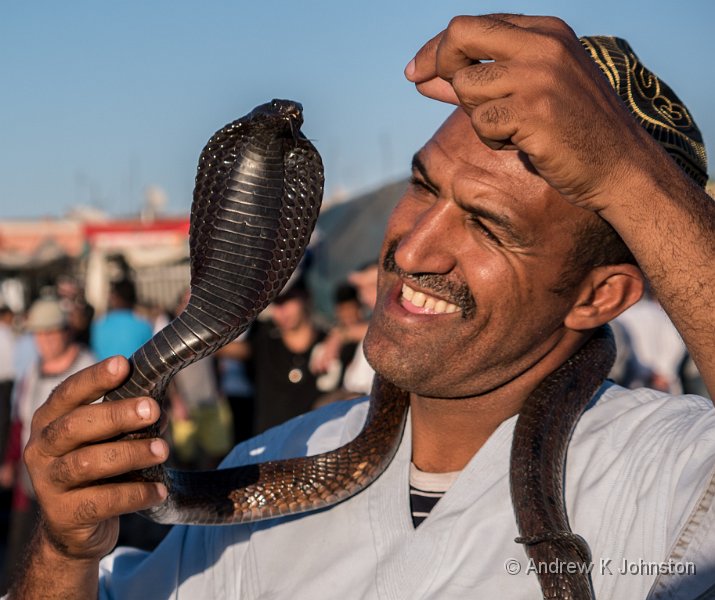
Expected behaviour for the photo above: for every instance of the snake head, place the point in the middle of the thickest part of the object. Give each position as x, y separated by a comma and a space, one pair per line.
278, 114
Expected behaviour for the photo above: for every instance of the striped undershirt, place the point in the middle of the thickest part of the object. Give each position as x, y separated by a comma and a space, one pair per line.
425, 491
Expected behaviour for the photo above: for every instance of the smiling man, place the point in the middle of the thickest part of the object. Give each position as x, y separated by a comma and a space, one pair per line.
531, 217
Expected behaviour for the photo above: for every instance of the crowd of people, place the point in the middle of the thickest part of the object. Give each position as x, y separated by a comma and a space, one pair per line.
285, 365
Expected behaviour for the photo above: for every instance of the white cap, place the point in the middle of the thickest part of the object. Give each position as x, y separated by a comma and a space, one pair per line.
45, 315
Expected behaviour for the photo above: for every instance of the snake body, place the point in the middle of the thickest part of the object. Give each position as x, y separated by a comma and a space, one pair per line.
258, 191
538, 456
256, 200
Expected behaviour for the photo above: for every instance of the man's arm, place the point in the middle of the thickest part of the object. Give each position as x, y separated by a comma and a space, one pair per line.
542, 94
68, 453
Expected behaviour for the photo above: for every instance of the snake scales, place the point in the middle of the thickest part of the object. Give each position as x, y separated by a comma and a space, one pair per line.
258, 190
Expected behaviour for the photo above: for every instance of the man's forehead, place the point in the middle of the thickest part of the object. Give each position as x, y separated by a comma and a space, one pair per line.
455, 145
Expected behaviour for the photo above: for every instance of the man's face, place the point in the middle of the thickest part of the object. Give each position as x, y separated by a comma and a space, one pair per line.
51, 343
472, 255
348, 313
289, 314
366, 283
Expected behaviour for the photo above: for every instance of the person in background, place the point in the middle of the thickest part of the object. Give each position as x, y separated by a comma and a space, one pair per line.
690, 378
59, 356
120, 331
7, 372
655, 342
279, 350
350, 320
237, 387
200, 430
344, 342
627, 370
359, 374
80, 313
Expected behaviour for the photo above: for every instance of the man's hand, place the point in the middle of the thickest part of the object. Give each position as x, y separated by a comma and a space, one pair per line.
72, 448
527, 83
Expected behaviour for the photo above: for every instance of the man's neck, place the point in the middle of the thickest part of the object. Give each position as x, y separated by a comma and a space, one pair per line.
447, 433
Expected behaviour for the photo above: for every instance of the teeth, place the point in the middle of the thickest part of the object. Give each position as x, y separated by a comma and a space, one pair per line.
429, 303
418, 299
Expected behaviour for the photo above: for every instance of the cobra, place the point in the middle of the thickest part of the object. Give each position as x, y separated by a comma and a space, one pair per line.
256, 200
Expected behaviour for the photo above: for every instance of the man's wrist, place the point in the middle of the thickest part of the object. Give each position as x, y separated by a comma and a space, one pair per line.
48, 571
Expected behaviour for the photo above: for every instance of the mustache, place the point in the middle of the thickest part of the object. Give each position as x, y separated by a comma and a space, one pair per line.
456, 293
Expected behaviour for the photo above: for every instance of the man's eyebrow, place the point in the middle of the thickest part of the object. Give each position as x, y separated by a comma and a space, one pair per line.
418, 165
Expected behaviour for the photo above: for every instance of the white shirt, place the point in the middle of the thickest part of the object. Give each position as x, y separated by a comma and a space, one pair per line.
638, 464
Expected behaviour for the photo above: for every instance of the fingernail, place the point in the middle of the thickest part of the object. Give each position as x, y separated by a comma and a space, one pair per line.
161, 490
410, 69
144, 409
113, 365
157, 448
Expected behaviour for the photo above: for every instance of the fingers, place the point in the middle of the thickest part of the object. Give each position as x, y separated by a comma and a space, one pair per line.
96, 422
469, 40
84, 387
438, 89
86, 507
464, 42
495, 123
92, 463
423, 67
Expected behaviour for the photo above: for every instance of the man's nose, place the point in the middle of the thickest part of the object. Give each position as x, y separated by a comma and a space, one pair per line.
430, 244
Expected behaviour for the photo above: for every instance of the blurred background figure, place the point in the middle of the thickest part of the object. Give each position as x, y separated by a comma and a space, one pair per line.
7, 379
350, 319
120, 331
691, 379
627, 370
344, 343
655, 342
58, 356
237, 387
201, 425
80, 313
279, 351
359, 374
7, 373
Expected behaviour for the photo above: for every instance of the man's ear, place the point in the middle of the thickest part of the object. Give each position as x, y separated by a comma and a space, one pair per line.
604, 294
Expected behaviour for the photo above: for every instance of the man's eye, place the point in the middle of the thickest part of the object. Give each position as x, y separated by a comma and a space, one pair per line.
479, 225
421, 185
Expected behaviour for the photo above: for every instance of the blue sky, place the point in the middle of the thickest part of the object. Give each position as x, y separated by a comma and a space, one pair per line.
100, 100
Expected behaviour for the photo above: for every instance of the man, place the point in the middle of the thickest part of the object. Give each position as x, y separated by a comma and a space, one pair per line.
492, 275
344, 343
7, 372
120, 331
279, 352
58, 356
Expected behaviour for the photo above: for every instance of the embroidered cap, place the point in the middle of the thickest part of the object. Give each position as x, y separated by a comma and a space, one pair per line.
652, 103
